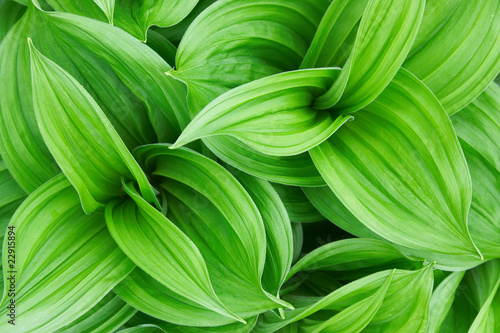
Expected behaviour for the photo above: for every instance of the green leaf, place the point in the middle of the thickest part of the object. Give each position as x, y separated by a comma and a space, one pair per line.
349, 254
354, 318
174, 33
136, 17
272, 115
12, 196
80, 137
162, 250
65, 261
172, 328
206, 202
148, 295
327, 203
478, 129
87, 8
279, 238
457, 50
162, 46
108, 7
399, 168
126, 79
234, 42
405, 306
487, 320
298, 207
442, 300
298, 170
10, 13
384, 38
106, 316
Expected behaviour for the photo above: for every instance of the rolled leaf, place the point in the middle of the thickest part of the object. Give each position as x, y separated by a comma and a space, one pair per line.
65, 260
457, 50
80, 137
399, 168
272, 115
384, 38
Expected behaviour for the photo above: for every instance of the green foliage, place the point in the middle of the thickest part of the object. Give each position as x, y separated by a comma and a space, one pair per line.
237, 166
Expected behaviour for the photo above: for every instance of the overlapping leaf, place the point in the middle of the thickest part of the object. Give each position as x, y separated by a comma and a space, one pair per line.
457, 50
207, 203
279, 238
442, 299
298, 207
10, 13
122, 74
384, 38
234, 42
399, 168
161, 249
273, 115
409, 314
80, 137
478, 128
65, 261
106, 316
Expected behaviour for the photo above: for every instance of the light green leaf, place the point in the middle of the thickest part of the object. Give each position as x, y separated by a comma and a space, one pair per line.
108, 7
142, 329
162, 250
12, 196
224, 47
148, 295
384, 38
162, 46
279, 238
65, 261
80, 137
487, 320
206, 202
406, 302
298, 170
399, 168
457, 50
136, 17
327, 203
442, 300
349, 254
127, 81
478, 129
298, 207
172, 328
10, 13
85, 8
354, 318
298, 240
174, 33
106, 316
272, 115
